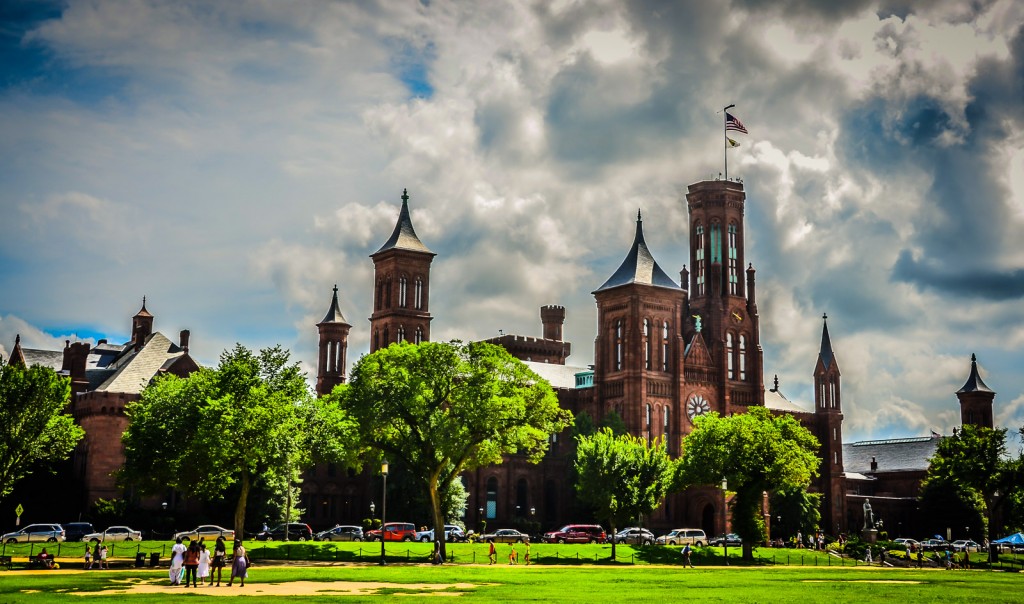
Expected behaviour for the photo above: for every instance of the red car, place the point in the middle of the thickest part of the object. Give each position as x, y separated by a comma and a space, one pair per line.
394, 531
576, 533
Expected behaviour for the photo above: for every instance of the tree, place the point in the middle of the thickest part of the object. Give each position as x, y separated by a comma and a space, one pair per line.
252, 418
973, 463
440, 409
622, 477
756, 452
798, 510
34, 430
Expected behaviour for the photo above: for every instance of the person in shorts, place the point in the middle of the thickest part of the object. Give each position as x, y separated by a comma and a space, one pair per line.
220, 554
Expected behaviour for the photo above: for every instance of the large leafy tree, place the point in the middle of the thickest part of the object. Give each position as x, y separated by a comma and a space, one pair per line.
756, 452
621, 477
34, 430
440, 409
251, 419
974, 464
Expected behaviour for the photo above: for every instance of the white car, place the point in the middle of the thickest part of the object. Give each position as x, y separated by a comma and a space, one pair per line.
36, 532
908, 543
115, 533
208, 532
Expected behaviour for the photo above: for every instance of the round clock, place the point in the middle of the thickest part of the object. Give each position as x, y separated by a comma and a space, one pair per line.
697, 405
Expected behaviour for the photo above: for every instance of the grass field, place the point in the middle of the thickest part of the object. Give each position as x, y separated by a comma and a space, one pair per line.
504, 583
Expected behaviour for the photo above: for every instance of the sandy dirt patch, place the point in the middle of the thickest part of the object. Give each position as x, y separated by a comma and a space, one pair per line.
294, 588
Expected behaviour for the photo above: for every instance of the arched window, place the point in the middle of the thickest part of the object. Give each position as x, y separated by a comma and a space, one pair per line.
387, 337
665, 427
419, 335
402, 292
647, 343
376, 339
419, 293
743, 358
401, 333
716, 243
648, 423
728, 356
387, 292
734, 270
380, 294
698, 261
618, 345
664, 346
492, 498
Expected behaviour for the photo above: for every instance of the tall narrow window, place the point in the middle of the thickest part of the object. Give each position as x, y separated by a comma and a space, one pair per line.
387, 337
647, 343
743, 358
492, 498
698, 251
419, 293
729, 355
403, 301
376, 339
734, 270
666, 420
648, 423
401, 333
419, 335
716, 243
618, 345
664, 346
387, 292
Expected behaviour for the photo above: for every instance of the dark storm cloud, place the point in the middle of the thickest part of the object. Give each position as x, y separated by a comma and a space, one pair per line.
993, 285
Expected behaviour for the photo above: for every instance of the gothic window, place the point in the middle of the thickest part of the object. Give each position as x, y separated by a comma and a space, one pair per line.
729, 356
743, 358
402, 291
401, 334
716, 243
648, 423
618, 345
832, 393
387, 338
647, 343
665, 427
734, 270
376, 339
380, 294
698, 250
664, 346
419, 293
419, 335
387, 293
492, 498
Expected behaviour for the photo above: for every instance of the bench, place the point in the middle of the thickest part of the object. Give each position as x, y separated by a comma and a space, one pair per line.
6, 561
34, 561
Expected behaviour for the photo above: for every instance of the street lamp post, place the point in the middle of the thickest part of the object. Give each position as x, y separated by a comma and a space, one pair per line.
383, 510
725, 517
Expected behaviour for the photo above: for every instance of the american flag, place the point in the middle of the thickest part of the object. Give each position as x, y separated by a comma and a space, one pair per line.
733, 123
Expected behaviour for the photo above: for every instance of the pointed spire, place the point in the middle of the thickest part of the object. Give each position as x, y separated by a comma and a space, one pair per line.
17, 355
974, 382
639, 266
825, 354
334, 313
143, 312
404, 235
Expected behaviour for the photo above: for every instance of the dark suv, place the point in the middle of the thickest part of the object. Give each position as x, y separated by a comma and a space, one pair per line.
74, 531
297, 531
576, 533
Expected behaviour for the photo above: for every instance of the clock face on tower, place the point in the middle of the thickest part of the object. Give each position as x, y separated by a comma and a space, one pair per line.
697, 405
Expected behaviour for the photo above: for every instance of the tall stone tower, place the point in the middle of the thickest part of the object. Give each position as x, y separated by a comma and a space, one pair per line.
829, 411
330, 367
638, 349
401, 295
976, 399
719, 297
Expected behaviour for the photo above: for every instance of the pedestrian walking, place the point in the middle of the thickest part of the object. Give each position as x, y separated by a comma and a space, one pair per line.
239, 565
920, 558
492, 554
88, 558
687, 555
177, 559
526, 556
191, 563
96, 556
513, 557
204, 565
103, 557
867, 555
220, 554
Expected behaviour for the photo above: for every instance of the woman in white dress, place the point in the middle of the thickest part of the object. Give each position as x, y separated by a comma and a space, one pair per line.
204, 564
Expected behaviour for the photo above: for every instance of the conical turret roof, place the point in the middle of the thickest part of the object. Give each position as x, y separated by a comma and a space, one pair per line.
974, 382
639, 265
143, 312
334, 313
404, 236
825, 354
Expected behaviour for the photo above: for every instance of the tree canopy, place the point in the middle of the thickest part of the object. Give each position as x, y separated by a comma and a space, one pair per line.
755, 452
621, 477
252, 418
440, 409
34, 430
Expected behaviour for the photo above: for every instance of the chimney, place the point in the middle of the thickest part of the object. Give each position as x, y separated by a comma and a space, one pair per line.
684, 279
552, 317
75, 357
874, 464
183, 340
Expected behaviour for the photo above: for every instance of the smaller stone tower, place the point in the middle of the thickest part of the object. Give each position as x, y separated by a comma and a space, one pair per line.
553, 317
330, 367
976, 399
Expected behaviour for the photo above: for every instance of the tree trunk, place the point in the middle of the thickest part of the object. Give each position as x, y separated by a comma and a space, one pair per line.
613, 540
435, 504
243, 498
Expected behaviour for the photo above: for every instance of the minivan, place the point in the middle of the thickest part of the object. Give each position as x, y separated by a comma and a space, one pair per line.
683, 536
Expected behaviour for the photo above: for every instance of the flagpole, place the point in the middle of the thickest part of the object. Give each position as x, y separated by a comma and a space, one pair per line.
725, 138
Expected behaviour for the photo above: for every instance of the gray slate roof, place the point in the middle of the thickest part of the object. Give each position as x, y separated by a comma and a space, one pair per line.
46, 358
559, 376
132, 376
893, 454
639, 265
404, 236
974, 382
334, 312
825, 353
773, 399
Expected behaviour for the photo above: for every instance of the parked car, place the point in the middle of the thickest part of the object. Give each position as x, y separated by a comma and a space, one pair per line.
394, 531
732, 539
208, 532
633, 536
114, 533
961, 545
74, 531
452, 534
910, 544
296, 531
340, 533
36, 532
577, 533
683, 536
505, 536
933, 545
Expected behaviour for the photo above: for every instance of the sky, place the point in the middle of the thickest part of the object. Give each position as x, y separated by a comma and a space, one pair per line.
233, 161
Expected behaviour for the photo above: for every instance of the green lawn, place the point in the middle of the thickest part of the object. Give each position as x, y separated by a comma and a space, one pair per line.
590, 583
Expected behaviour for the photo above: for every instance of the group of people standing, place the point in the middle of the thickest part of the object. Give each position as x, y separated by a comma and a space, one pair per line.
196, 564
96, 556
